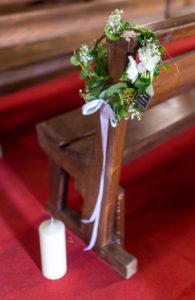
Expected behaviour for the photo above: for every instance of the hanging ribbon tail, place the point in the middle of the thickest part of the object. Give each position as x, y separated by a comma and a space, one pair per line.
106, 114
87, 221
93, 237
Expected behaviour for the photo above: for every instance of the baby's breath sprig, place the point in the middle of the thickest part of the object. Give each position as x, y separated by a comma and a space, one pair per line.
85, 55
115, 26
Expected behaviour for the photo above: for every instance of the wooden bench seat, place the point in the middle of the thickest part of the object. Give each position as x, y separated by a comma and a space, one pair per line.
73, 145
158, 124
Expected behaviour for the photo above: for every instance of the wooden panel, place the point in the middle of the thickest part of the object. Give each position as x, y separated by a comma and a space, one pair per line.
19, 6
62, 130
178, 79
39, 72
174, 28
58, 31
158, 124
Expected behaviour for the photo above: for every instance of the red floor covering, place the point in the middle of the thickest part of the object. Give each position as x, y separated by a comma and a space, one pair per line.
160, 228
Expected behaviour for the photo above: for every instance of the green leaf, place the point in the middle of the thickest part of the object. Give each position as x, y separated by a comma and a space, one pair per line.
84, 73
162, 50
115, 101
102, 95
74, 61
92, 82
166, 67
94, 93
142, 83
121, 96
89, 97
124, 77
116, 88
129, 91
110, 36
126, 26
156, 72
123, 113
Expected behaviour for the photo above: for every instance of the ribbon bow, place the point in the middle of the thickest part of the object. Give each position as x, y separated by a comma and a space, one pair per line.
106, 114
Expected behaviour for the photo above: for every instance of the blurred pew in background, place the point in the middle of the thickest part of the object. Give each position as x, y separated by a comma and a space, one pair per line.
37, 40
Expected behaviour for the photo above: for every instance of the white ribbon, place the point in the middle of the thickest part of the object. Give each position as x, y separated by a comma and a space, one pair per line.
106, 114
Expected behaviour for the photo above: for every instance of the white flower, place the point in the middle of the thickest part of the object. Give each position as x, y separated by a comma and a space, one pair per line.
149, 56
132, 71
148, 59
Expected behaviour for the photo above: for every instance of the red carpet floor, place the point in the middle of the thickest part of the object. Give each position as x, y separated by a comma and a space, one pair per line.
160, 226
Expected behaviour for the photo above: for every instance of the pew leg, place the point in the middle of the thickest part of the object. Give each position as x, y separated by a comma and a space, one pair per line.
58, 201
58, 186
114, 253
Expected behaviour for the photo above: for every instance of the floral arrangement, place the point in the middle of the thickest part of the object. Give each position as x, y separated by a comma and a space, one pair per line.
130, 96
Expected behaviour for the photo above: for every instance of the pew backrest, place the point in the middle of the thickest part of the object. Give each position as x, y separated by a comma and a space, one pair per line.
36, 45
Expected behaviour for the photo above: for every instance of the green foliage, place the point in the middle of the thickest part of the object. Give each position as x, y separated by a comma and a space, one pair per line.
74, 61
166, 67
124, 77
142, 83
145, 34
93, 93
110, 36
130, 90
84, 73
115, 89
156, 72
94, 69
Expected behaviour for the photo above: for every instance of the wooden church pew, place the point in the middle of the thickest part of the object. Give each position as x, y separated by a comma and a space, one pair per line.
73, 145
36, 44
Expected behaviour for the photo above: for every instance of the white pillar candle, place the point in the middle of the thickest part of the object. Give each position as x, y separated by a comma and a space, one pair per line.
53, 248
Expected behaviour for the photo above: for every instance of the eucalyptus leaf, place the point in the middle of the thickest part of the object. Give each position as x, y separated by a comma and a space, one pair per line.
84, 73
92, 82
115, 101
102, 95
93, 93
116, 88
74, 61
142, 84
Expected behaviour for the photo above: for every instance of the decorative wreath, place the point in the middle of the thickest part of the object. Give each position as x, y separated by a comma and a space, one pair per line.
130, 96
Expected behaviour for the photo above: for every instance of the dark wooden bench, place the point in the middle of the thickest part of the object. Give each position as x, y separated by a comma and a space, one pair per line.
28, 59
73, 145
